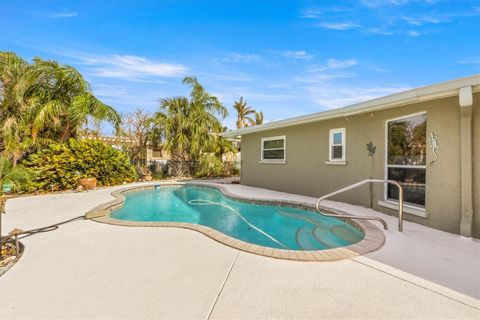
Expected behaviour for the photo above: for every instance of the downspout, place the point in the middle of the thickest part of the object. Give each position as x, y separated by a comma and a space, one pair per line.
466, 101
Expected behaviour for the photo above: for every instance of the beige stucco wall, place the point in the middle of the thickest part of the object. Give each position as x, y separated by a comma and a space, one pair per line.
307, 151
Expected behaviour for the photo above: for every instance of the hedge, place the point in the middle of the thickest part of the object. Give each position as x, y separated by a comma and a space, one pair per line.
59, 166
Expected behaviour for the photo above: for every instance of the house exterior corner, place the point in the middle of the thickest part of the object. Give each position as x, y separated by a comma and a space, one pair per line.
307, 167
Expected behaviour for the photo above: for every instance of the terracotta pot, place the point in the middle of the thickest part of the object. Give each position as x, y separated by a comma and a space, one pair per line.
89, 183
147, 177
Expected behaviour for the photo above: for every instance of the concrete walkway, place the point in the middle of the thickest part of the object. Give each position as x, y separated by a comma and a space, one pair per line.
91, 270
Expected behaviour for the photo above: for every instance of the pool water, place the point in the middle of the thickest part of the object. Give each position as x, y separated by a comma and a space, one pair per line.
266, 225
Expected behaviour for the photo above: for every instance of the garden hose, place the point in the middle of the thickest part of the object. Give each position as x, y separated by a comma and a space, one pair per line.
52, 227
49, 228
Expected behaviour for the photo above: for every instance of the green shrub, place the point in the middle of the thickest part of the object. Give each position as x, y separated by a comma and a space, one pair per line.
12, 178
60, 166
209, 166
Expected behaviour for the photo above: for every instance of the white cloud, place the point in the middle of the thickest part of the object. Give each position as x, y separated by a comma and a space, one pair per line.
302, 55
108, 90
341, 64
229, 77
120, 95
381, 31
332, 96
129, 66
279, 85
269, 97
381, 3
63, 14
321, 77
332, 64
242, 57
339, 25
310, 13
421, 20
231, 94
470, 60
412, 33
316, 12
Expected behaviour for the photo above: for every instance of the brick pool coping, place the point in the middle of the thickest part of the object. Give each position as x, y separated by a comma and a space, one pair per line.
373, 240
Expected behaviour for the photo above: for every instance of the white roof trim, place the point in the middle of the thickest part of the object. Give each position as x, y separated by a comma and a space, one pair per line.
439, 90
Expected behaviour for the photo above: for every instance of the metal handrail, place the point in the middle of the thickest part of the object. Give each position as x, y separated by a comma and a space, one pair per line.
353, 186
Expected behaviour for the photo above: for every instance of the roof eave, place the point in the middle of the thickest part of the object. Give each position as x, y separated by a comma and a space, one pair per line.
439, 90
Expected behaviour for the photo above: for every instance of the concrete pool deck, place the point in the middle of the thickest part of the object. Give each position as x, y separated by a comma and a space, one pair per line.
91, 270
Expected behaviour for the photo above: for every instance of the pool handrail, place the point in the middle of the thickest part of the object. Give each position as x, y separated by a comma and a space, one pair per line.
355, 185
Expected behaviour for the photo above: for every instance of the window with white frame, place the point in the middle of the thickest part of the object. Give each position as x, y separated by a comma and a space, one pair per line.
337, 145
274, 149
406, 158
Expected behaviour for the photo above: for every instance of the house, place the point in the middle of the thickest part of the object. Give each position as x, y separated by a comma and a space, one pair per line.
148, 154
152, 154
427, 138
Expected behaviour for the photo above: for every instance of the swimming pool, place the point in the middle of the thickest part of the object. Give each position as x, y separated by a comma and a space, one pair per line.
273, 226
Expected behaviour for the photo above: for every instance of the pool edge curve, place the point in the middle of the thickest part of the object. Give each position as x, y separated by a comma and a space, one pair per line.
374, 238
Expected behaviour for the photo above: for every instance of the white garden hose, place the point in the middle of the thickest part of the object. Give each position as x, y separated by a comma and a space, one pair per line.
202, 202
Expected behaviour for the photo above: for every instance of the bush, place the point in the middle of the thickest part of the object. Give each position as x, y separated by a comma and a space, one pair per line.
12, 178
60, 166
231, 168
158, 170
209, 166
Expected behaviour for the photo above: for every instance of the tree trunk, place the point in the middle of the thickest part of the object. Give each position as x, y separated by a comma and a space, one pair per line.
65, 133
34, 133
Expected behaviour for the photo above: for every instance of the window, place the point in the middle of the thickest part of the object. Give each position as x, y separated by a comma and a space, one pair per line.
157, 153
337, 145
274, 149
406, 158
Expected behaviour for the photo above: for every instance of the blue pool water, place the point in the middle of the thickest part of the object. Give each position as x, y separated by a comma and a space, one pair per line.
266, 225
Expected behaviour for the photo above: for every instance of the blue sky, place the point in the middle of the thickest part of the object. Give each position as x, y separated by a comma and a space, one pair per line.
286, 58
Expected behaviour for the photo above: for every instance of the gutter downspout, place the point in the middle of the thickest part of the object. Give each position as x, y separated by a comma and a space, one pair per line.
465, 96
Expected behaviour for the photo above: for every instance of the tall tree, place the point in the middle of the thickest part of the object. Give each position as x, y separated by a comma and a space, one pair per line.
13, 104
63, 101
137, 127
43, 101
243, 113
258, 118
190, 124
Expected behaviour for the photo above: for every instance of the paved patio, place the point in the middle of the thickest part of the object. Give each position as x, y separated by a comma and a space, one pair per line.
91, 270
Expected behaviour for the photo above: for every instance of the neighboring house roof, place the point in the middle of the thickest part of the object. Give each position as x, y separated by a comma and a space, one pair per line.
435, 91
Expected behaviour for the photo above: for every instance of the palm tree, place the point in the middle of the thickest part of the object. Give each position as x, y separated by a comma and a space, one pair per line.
13, 105
62, 101
203, 100
43, 101
243, 113
223, 145
258, 118
190, 124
